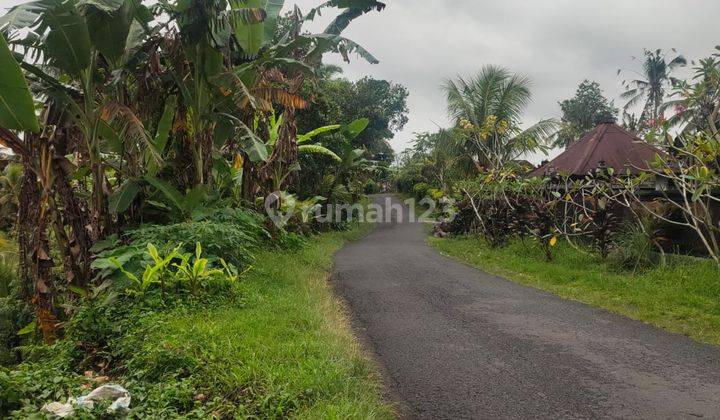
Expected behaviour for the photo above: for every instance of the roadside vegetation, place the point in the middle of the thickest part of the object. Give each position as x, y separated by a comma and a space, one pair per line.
273, 345
163, 204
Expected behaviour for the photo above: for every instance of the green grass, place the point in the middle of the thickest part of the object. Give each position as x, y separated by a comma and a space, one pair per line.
274, 345
287, 350
683, 297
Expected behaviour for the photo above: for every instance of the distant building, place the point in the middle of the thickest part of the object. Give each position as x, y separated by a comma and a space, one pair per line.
607, 145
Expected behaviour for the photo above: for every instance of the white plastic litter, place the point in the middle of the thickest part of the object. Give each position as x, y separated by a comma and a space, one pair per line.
114, 392
60, 409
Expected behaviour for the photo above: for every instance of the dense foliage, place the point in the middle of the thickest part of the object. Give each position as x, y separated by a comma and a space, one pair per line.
148, 141
169, 114
231, 350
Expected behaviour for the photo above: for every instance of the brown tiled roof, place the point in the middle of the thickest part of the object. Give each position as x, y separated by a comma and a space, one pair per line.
607, 144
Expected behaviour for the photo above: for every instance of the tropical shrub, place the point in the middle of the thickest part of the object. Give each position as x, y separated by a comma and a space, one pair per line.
494, 215
231, 234
463, 219
15, 315
372, 187
420, 190
196, 273
544, 209
106, 337
435, 193
637, 248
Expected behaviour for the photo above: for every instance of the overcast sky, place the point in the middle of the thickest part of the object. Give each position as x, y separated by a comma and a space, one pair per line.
558, 43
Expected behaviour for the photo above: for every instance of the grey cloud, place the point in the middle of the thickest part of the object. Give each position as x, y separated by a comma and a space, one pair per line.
558, 43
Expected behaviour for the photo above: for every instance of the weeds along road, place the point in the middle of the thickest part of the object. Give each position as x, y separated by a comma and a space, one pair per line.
454, 342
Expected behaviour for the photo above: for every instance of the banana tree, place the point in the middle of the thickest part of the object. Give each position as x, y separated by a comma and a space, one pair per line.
349, 131
124, 93
17, 114
306, 143
294, 53
69, 50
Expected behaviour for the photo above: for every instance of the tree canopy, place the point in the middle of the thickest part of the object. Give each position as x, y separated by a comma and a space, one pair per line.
382, 102
583, 112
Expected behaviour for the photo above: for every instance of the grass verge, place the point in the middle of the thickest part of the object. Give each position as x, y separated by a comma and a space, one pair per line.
278, 346
683, 297
288, 350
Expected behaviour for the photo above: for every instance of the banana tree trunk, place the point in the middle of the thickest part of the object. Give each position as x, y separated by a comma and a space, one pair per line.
36, 262
99, 215
276, 171
207, 155
70, 228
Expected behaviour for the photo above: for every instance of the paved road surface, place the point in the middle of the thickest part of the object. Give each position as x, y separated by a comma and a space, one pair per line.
455, 342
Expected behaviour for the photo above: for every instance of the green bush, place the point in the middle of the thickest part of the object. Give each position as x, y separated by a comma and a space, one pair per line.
420, 190
15, 314
372, 187
404, 182
435, 193
224, 352
27, 385
231, 234
635, 249
290, 240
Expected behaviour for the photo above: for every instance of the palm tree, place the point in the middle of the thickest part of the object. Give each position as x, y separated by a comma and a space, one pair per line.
696, 103
488, 109
652, 84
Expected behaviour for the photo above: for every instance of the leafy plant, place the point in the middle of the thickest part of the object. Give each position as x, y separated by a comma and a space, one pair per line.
196, 272
191, 205
231, 241
155, 273
636, 248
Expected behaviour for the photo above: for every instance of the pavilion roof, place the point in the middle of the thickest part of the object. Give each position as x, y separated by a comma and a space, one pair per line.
607, 145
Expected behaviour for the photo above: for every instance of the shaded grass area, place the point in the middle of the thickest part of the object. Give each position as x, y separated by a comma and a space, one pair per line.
288, 350
683, 297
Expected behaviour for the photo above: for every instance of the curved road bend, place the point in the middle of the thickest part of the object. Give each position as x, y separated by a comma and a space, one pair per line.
455, 342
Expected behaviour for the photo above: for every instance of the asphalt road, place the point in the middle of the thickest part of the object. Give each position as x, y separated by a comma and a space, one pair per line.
454, 342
